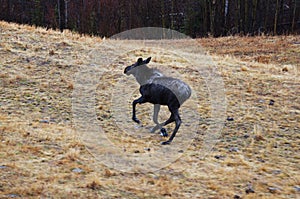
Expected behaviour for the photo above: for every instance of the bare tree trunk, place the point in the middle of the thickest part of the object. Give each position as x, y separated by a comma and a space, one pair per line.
60, 9
130, 15
294, 16
66, 13
246, 15
8, 9
212, 17
242, 17
276, 17
266, 15
206, 17
172, 14
98, 17
237, 15
254, 17
226, 13
59, 16
163, 14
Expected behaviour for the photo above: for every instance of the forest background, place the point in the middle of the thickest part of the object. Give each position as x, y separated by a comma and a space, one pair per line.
191, 17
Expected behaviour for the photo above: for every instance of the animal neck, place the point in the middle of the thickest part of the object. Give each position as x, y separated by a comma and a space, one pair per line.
146, 75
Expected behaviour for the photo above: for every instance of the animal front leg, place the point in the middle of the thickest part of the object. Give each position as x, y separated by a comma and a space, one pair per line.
134, 103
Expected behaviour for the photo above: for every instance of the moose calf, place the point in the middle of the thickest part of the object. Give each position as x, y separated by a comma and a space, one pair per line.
159, 90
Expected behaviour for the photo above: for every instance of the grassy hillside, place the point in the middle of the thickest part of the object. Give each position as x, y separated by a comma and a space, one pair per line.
42, 153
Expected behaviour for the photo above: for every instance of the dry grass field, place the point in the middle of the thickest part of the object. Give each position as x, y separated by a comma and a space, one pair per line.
43, 155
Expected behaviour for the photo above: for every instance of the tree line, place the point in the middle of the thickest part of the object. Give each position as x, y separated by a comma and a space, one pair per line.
196, 18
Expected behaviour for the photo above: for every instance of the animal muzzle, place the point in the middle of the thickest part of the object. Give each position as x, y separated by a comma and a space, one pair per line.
127, 69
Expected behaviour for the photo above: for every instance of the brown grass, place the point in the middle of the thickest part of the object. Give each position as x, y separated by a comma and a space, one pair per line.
41, 154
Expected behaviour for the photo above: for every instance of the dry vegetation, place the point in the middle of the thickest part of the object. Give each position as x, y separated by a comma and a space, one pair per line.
42, 155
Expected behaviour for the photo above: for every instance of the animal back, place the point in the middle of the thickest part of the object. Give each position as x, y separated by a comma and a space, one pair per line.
181, 90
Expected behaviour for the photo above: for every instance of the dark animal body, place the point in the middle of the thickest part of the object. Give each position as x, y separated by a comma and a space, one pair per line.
159, 90
152, 92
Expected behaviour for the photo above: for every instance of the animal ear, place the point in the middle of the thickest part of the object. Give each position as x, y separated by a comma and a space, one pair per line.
140, 61
147, 60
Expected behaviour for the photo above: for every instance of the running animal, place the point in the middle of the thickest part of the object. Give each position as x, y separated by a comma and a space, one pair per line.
158, 89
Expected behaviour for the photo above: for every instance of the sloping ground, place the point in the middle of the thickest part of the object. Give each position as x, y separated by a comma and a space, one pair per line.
42, 153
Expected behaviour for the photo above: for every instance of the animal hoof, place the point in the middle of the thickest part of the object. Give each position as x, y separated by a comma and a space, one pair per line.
163, 132
166, 142
136, 120
155, 128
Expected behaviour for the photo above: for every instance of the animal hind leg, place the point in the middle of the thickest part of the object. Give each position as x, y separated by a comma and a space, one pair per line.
155, 113
159, 126
178, 123
155, 117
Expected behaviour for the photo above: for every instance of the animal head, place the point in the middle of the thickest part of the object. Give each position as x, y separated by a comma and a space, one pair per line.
134, 67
